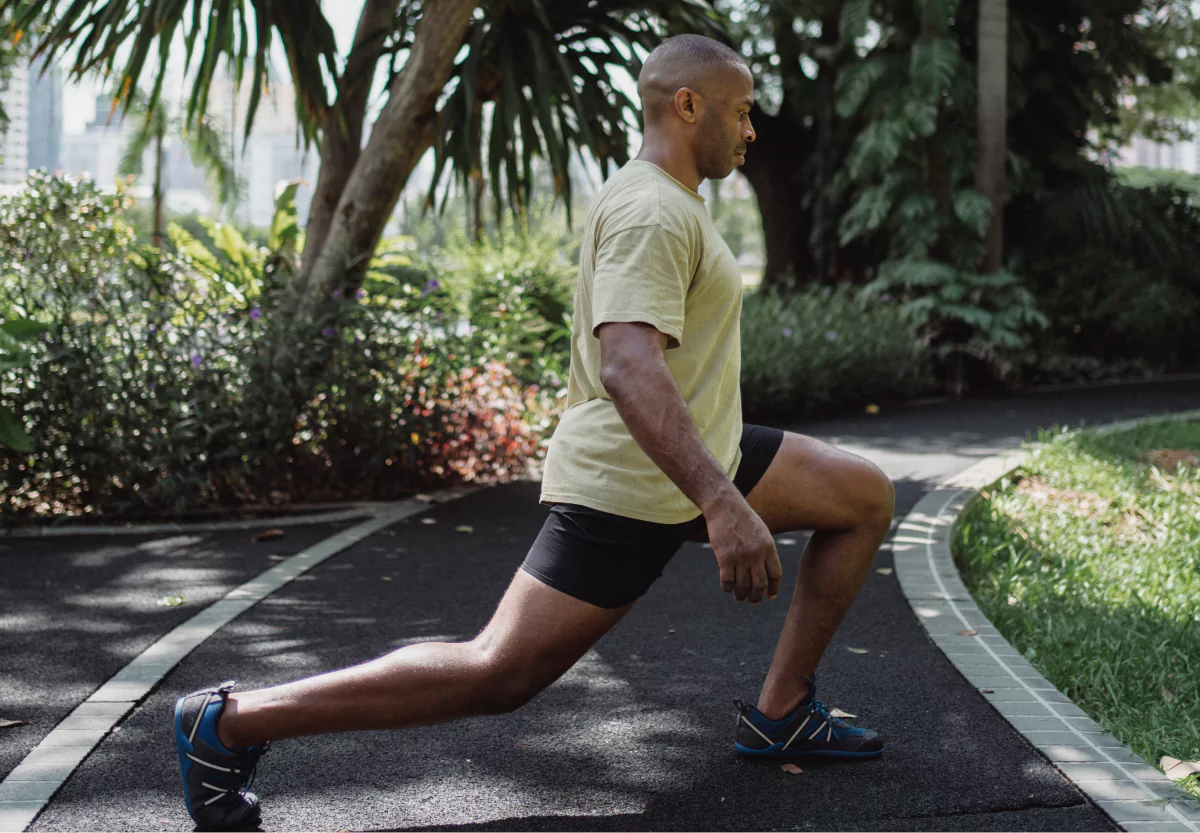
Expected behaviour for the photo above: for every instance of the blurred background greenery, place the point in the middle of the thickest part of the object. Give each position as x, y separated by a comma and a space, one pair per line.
939, 201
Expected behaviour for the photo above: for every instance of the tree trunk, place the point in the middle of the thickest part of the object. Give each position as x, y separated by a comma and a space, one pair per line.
993, 118
773, 161
158, 191
402, 134
343, 125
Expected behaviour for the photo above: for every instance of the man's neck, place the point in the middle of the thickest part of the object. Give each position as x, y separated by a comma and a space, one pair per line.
674, 161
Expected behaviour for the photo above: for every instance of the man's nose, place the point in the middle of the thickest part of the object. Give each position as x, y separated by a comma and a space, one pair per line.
748, 134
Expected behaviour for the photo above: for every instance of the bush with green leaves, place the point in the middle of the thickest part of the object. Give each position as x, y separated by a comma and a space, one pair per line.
166, 383
909, 180
515, 290
1114, 269
827, 349
13, 333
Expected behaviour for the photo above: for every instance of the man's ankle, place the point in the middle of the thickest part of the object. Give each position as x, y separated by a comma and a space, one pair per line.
225, 726
778, 706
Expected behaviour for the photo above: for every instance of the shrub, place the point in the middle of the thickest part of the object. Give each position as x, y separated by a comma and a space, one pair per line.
516, 293
1113, 269
172, 382
823, 349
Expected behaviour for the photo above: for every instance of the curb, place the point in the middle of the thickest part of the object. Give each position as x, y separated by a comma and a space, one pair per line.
26, 791
1134, 794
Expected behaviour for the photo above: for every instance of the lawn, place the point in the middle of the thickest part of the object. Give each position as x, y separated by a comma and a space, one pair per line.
1087, 559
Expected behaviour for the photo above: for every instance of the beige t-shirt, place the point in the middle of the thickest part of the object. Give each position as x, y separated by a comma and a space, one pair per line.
650, 253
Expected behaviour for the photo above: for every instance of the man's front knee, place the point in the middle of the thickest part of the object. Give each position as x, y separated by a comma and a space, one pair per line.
877, 498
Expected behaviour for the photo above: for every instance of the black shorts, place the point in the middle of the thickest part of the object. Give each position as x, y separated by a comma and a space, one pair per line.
610, 560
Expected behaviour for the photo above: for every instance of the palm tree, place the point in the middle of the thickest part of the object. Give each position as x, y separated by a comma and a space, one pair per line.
203, 144
545, 66
993, 122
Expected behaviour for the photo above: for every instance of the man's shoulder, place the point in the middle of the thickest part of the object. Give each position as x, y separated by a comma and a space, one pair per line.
635, 197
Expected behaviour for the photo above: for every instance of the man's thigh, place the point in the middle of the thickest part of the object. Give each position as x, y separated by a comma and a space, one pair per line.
538, 632
813, 485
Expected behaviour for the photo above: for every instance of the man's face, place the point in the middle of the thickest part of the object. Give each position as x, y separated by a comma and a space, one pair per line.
724, 124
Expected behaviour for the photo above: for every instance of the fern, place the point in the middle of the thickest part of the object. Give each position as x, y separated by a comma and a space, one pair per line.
855, 16
933, 65
974, 209
856, 82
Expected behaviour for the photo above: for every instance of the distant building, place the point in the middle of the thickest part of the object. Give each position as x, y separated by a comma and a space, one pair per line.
1179, 156
14, 144
274, 153
45, 118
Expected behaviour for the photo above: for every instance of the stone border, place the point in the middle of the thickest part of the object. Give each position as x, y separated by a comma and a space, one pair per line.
1135, 795
30, 786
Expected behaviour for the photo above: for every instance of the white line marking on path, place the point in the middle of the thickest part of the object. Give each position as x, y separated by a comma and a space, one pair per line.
29, 787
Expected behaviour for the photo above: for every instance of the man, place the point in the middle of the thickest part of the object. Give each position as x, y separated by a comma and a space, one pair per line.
651, 452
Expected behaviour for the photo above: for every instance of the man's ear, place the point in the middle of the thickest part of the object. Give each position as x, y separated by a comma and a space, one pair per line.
685, 104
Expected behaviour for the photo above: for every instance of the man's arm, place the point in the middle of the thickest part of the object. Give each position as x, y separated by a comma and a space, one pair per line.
634, 372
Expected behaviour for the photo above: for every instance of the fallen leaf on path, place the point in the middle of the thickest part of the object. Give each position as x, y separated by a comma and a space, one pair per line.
1176, 769
428, 520
872, 409
1167, 695
836, 712
884, 571
385, 578
858, 650
267, 535
522, 746
968, 632
791, 769
170, 601
8, 724
464, 528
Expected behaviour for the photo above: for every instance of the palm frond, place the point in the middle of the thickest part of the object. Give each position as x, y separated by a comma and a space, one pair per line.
217, 34
207, 149
547, 70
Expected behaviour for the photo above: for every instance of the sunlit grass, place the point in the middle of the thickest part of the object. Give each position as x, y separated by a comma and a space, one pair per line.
1088, 560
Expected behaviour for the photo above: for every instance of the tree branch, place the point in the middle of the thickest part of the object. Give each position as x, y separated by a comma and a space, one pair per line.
343, 123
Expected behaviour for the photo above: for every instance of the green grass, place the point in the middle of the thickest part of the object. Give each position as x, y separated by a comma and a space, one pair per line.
1087, 559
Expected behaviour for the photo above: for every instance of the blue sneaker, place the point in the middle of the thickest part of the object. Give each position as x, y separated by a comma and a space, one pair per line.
216, 780
808, 731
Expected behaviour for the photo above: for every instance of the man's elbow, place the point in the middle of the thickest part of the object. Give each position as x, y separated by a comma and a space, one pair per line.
621, 375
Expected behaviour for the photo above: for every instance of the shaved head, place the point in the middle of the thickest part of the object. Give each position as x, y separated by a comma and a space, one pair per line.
691, 61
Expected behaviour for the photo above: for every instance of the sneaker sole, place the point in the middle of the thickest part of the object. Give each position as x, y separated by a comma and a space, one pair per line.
775, 751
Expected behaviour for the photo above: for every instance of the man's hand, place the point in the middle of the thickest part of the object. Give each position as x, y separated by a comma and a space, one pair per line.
745, 552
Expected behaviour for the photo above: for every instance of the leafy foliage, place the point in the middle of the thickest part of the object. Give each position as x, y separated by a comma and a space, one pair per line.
162, 387
13, 332
822, 350
1086, 561
548, 72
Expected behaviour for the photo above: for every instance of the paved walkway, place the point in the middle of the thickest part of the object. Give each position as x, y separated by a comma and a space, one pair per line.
637, 736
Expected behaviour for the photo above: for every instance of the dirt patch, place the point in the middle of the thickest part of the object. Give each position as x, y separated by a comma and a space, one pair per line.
1168, 459
1083, 504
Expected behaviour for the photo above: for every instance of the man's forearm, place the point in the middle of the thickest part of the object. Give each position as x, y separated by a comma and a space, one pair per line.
654, 411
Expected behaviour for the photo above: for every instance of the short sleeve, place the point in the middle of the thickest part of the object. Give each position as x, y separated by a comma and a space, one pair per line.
642, 274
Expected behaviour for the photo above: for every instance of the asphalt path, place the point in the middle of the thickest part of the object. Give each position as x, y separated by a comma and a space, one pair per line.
74, 610
637, 736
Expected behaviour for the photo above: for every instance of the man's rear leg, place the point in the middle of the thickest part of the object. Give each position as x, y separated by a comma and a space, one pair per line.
536, 634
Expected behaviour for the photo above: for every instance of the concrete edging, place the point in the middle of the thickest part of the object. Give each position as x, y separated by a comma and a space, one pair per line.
26, 791
1134, 794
